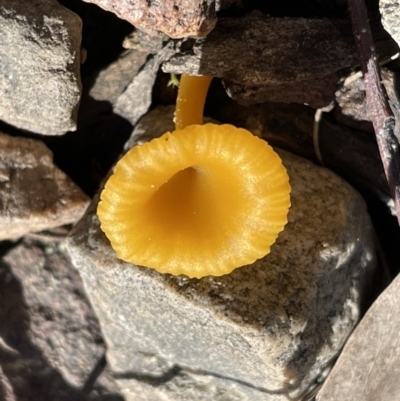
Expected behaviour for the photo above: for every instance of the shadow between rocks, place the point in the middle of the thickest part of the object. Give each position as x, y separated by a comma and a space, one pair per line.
88, 154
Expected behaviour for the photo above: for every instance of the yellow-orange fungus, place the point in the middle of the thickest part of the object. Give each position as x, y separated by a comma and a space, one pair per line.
191, 98
199, 201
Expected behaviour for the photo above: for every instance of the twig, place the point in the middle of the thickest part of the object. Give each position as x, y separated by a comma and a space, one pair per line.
378, 106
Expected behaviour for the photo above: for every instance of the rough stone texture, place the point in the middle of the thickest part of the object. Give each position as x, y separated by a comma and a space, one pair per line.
279, 49
390, 11
369, 367
176, 18
131, 106
184, 386
34, 194
352, 102
113, 80
50, 341
273, 59
263, 59
39, 66
133, 73
271, 327
62, 324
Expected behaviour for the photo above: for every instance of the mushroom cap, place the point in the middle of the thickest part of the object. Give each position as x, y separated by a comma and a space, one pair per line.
199, 201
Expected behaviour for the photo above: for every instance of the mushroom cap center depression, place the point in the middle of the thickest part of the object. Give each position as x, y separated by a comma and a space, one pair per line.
200, 201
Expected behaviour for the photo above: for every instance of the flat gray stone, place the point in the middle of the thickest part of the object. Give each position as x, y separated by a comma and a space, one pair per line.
264, 59
129, 104
271, 327
112, 81
368, 369
39, 66
34, 194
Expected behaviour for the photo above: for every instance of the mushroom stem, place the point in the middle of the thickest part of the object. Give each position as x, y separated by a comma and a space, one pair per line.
191, 98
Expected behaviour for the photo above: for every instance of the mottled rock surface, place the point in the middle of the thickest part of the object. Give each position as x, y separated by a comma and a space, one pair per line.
368, 369
39, 66
111, 82
176, 18
266, 59
50, 341
390, 11
351, 99
178, 385
34, 194
136, 99
271, 327
128, 82
272, 59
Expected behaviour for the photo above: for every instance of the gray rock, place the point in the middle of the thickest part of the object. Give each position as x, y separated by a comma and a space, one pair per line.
184, 385
390, 11
272, 327
272, 59
264, 59
6, 391
50, 340
133, 73
369, 367
113, 80
135, 101
105, 388
34, 194
39, 66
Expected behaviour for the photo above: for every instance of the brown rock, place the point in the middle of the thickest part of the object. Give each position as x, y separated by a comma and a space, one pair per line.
50, 341
34, 194
61, 323
264, 59
176, 18
369, 366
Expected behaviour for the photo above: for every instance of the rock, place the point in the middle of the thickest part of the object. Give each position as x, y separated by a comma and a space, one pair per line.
111, 82
175, 18
273, 59
39, 66
352, 102
105, 388
131, 106
369, 366
6, 391
390, 10
184, 386
34, 194
50, 340
268, 330
134, 72
263, 59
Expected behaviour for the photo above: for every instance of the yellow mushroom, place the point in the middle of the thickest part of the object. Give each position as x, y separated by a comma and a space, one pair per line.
202, 200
